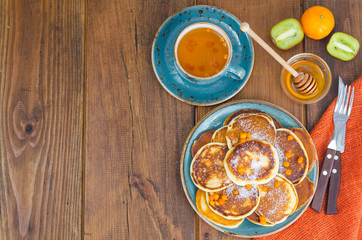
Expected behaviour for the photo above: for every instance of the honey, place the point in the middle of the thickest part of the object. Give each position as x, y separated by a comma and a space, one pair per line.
310, 64
202, 52
310, 68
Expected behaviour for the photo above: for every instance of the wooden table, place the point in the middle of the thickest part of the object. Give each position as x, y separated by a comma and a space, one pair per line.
90, 141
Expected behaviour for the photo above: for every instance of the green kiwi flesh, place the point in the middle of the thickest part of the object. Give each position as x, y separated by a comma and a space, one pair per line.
343, 46
287, 33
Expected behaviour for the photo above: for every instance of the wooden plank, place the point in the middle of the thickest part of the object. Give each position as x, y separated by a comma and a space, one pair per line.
347, 14
41, 65
134, 130
264, 82
4, 21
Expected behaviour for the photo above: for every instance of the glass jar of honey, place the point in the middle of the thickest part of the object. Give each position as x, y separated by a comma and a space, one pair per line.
314, 66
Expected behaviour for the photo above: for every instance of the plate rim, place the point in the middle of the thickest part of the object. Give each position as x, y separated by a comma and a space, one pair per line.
179, 98
187, 141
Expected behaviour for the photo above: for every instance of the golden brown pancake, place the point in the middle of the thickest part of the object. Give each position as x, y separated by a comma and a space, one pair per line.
204, 138
207, 168
219, 135
205, 210
305, 191
250, 126
234, 202
251, 162
235, 114
254, 218
308, 144
278, 200
293, 158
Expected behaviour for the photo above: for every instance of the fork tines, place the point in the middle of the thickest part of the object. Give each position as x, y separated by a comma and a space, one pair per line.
343, 97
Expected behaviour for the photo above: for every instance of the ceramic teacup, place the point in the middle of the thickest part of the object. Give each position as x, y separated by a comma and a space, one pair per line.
234, 72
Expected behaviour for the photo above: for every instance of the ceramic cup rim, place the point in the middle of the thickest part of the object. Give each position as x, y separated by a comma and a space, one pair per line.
203, 25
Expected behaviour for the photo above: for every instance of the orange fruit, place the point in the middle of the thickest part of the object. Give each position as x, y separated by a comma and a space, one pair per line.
317, 22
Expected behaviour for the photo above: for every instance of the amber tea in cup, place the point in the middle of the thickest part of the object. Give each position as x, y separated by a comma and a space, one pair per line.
202, 50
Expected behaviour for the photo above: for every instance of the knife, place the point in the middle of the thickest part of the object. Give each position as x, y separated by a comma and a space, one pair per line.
335, 178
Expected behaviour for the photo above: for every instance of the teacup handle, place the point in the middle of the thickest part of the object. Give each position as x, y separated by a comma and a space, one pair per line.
236, 72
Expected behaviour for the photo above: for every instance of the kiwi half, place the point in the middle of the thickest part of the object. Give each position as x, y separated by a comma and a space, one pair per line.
287, 33
343, 46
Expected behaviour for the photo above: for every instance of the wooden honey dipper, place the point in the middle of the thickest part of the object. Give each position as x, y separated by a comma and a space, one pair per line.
303, 82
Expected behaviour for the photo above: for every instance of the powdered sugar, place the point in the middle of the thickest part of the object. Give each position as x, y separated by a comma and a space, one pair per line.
257, 163
257, 167
235, 161
274, 202
281, 155
292, 147
258, 126
239, 201
243, 192
248, 161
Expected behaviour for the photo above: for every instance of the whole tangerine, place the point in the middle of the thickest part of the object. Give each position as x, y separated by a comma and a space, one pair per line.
317, 22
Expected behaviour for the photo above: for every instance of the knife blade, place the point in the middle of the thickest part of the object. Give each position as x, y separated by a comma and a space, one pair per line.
340, 139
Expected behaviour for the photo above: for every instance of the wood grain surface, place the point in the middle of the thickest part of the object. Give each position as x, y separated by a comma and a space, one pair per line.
41, 119
90, 141
134, 130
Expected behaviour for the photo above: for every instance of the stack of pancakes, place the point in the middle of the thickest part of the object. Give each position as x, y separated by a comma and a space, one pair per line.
252, 168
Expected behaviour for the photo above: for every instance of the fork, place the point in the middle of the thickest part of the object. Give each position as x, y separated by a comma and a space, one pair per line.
342, 111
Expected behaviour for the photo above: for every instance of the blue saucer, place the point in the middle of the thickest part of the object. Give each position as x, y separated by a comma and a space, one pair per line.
164, 65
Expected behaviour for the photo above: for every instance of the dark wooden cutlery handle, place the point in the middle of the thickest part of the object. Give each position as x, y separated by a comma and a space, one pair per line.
323, 180
334, 183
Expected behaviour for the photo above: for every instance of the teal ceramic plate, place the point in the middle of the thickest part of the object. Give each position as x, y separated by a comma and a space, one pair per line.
164, 65
214, 120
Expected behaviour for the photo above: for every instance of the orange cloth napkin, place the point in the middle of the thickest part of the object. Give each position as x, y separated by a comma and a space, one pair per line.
347, 223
